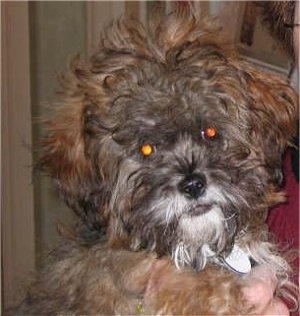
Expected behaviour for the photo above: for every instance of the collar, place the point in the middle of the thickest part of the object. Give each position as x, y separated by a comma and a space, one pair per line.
238, 261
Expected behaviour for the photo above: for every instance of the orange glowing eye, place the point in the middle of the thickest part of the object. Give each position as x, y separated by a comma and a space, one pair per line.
147, 150
209, 133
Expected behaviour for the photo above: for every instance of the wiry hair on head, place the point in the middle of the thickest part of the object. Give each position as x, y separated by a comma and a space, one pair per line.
160, 82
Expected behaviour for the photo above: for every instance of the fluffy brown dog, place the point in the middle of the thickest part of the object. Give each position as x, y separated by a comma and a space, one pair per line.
165, 144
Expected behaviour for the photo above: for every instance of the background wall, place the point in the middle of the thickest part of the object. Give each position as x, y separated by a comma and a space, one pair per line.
17, 215
57, 33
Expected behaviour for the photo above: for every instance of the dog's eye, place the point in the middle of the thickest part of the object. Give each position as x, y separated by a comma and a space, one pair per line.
209, 133
147, 150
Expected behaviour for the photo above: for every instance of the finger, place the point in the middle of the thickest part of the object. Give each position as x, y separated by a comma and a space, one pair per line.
258, 295
276, 307
264, 274
259, 288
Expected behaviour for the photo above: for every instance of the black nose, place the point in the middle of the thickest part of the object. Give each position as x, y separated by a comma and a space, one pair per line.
193, 185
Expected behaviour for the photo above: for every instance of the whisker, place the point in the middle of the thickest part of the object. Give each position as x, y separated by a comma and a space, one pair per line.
229, 218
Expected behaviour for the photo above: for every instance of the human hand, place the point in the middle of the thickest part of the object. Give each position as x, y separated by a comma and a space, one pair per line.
259, 291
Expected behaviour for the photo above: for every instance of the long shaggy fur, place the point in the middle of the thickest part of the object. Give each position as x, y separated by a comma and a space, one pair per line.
98, 281
164, 85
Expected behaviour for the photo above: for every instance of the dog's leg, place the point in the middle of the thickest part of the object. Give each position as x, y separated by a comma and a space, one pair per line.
213, 291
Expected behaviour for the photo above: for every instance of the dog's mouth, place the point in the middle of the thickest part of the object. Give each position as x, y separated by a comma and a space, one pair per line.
199, 210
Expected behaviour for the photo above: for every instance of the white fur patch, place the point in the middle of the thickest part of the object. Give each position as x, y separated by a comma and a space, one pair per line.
202, 226
197, 234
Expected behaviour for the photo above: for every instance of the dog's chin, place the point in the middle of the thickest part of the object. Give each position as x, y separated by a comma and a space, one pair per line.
203, 236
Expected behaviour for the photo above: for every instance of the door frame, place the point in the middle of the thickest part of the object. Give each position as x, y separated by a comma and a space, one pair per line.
17, 214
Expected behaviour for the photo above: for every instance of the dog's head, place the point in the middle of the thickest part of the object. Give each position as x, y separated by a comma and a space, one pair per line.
167, 141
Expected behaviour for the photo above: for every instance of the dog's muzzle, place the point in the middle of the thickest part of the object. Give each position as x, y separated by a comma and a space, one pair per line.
193, 185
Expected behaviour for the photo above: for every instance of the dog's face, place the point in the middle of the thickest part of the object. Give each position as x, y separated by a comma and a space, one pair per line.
168, 142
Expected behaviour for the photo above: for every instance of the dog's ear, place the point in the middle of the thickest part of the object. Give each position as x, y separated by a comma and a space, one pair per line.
273, 112
273, 109
62, 150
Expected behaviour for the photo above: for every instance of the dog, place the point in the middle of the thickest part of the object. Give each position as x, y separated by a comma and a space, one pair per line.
166, 144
